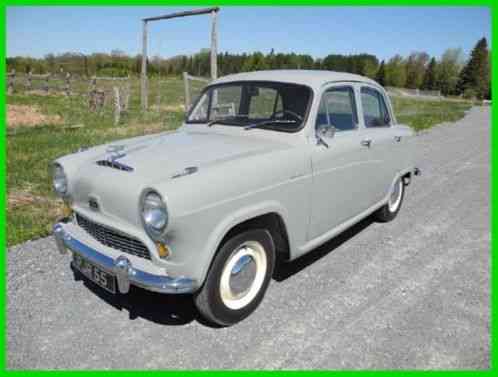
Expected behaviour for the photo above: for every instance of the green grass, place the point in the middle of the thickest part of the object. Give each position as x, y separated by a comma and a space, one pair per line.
31, 149
422, 114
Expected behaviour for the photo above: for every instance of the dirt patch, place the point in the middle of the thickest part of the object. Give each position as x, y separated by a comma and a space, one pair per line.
22, 115
19, 199
23, 198
43, 93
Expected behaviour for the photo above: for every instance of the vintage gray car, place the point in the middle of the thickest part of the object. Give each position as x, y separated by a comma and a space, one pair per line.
266, 167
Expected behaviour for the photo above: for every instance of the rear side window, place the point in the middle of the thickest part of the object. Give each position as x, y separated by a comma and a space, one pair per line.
375, 112
338, 109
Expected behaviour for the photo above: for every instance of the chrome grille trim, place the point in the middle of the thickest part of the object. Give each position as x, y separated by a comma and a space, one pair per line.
113, 238
114, 165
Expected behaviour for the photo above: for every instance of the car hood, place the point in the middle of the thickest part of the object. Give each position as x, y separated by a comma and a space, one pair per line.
166, 155
155, 160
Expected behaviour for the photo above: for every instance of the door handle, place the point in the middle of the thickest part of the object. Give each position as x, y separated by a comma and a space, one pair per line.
397, 138
366, 142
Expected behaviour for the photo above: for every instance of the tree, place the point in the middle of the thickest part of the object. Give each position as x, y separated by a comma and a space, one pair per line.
430, 79
380, 77
415, 69
475, 74
448, 69
396, 72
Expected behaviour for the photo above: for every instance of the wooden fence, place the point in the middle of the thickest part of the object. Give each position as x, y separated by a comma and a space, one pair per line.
65, 83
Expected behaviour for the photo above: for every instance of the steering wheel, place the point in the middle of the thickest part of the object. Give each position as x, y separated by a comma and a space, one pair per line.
290, 112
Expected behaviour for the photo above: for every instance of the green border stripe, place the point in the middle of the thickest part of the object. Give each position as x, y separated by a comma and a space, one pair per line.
187, 3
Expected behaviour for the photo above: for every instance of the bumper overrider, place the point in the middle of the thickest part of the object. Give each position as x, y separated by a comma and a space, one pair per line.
121, 267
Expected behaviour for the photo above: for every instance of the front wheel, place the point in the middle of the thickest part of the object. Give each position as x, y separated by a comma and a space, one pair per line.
389, 211
238, 278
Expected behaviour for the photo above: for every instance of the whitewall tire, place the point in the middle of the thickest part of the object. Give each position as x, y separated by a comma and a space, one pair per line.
396, 194
238, 278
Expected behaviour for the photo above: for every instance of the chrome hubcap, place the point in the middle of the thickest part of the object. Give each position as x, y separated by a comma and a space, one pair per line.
243, 275
395, 197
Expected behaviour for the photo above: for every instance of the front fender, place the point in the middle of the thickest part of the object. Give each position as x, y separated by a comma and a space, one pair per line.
233, 219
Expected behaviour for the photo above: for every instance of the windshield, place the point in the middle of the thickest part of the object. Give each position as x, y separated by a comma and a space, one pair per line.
277, 106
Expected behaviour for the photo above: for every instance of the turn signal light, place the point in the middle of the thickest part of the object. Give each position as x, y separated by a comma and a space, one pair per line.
162, 250
66, 210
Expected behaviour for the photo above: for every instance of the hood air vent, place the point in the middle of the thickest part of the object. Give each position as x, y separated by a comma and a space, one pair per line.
114, 165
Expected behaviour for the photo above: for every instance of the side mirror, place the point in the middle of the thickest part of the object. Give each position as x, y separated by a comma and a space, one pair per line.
324, 131
387, 119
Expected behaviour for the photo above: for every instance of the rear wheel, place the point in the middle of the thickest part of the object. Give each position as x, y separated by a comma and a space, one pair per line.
238, 278
389, 211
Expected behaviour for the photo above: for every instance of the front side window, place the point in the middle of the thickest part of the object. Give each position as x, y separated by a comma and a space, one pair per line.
337, 109
269, 105
375, 112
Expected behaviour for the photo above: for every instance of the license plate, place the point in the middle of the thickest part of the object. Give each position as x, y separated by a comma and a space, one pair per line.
95, 274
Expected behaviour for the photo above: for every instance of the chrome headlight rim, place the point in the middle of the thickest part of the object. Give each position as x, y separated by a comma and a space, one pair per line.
155, 234
59, 180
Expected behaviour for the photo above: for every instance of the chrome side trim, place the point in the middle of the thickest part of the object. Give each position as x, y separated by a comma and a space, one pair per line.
187, 171
122, 268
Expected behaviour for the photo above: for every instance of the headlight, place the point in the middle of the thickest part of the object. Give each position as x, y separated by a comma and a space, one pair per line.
59, 180
154, 215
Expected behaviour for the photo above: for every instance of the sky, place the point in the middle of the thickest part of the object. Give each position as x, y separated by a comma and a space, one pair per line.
317, 31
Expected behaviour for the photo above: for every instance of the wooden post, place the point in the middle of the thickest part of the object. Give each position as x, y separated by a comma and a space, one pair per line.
93, 84
143, 98
67, 84
126, 97
158, 96
214, 45
187, 91
117, 105
29, 83
10, 83
45, 88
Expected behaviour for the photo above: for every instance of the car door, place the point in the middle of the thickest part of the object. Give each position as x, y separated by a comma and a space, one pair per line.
341, 164
380, 135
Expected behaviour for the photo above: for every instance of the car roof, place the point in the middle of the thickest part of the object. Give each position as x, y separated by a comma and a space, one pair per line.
312, 78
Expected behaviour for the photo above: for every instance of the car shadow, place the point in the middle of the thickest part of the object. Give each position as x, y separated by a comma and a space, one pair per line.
163, 309
176, 310
285, 270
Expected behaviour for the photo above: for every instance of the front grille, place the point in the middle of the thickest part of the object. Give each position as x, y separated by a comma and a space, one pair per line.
114, 165
112, 238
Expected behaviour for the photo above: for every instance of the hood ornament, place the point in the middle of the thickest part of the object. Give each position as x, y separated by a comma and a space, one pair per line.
115, 152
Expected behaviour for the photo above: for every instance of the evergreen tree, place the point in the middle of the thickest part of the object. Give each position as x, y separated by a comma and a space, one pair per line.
430, 79
475, 74
380, 77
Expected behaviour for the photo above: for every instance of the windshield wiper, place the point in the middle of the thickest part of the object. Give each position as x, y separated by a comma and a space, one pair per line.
269, 122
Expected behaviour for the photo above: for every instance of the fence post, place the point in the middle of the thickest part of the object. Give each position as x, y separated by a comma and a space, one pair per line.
45, 87
187, 91
67, 84
126, 96
214, 46
10, 82
117, 105
93, 83
29, 82
143, 82
158, 96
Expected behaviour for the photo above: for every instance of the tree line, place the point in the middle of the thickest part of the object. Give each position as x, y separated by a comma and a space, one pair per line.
450, 73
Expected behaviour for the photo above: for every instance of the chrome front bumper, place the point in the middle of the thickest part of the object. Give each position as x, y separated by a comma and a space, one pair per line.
121, 267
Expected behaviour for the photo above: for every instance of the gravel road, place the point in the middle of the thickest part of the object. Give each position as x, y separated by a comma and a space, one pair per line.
413, 293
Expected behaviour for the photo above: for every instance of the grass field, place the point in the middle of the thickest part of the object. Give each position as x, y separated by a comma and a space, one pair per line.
63, 124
